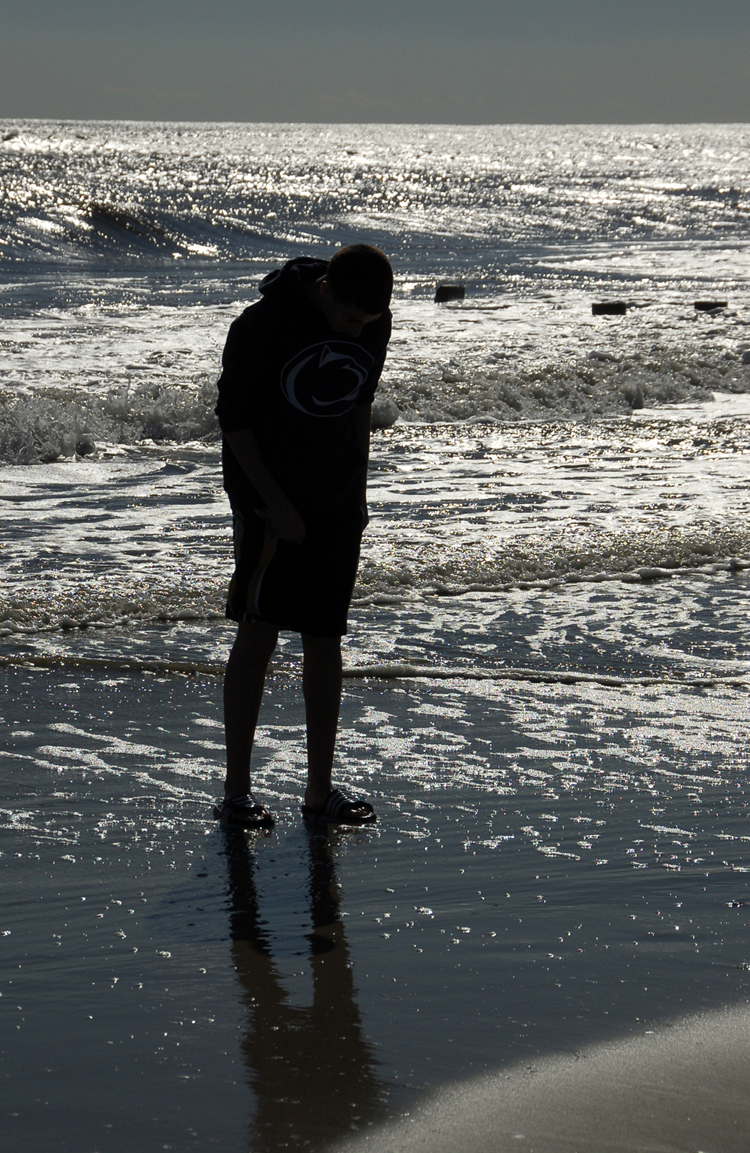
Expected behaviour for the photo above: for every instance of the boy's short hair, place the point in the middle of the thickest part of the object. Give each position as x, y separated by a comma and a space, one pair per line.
361, 275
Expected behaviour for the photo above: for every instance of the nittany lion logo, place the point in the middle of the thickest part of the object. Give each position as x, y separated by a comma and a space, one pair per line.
326, 379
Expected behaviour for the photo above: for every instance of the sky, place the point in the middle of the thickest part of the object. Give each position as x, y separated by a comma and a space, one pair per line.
394, 61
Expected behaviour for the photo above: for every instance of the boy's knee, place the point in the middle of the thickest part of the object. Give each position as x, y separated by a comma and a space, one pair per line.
257, 638
322, 649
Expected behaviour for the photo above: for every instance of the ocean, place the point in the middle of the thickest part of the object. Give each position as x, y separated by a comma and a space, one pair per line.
548, 659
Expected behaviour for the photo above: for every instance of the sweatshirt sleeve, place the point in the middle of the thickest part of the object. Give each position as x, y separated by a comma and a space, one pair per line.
238, 404
368, 392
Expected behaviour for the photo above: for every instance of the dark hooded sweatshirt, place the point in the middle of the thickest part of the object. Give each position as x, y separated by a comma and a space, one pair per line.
295, 383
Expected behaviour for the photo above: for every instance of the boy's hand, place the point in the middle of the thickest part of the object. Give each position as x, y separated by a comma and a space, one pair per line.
287, 524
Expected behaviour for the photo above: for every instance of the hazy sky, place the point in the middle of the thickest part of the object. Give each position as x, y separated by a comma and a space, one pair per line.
429, 61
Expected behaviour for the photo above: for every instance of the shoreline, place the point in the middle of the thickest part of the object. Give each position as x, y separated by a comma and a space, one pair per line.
684, 1085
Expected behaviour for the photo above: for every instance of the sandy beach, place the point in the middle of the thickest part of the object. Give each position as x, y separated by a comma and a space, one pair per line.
680, 1087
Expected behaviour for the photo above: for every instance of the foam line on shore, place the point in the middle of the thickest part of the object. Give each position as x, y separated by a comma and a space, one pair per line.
374, 672
19, 618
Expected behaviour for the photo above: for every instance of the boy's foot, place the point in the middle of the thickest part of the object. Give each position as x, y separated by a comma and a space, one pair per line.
338, 810
244, 812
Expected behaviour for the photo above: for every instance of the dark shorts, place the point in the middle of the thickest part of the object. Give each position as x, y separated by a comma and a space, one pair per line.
305, 587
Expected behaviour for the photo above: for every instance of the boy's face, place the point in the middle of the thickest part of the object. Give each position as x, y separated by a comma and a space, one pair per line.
343, 317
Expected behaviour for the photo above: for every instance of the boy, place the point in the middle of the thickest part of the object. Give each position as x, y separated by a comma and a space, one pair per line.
300, 369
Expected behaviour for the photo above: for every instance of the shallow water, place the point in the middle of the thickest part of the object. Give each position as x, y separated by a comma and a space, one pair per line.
530, 888
144, 535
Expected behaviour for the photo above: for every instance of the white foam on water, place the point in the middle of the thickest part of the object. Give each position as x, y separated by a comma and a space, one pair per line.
94, 377
721, 405
144, 534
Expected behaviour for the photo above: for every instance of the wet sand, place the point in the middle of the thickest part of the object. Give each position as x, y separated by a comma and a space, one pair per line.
559, 873
684, 1086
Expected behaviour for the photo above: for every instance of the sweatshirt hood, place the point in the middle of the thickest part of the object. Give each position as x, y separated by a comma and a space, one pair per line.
292, 277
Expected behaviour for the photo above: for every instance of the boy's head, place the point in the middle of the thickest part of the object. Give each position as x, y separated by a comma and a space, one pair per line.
361, 276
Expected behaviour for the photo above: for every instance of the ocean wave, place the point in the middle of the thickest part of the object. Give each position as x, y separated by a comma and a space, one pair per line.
601, 384
545, 561
445, 195
48, 423
51, 424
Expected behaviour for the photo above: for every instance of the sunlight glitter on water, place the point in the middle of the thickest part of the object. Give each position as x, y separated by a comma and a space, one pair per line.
563, 889
548, 662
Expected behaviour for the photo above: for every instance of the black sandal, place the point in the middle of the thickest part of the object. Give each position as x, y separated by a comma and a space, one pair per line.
338, 810
243, 812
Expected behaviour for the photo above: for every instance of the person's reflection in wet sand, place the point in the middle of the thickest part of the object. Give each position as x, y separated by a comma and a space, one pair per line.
311, 1069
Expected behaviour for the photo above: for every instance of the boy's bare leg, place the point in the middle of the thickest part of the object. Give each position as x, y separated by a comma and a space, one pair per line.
243, 689
321, 683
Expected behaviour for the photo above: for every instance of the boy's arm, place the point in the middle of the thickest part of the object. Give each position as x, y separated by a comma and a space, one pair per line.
285, 520
362, 421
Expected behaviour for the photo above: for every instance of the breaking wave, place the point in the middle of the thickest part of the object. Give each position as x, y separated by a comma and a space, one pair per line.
50, 423
58, 423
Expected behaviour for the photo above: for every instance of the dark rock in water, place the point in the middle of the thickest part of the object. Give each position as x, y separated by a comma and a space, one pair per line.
384, 413
710, 305
85, 445
445, 292
159, 432
609, 308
